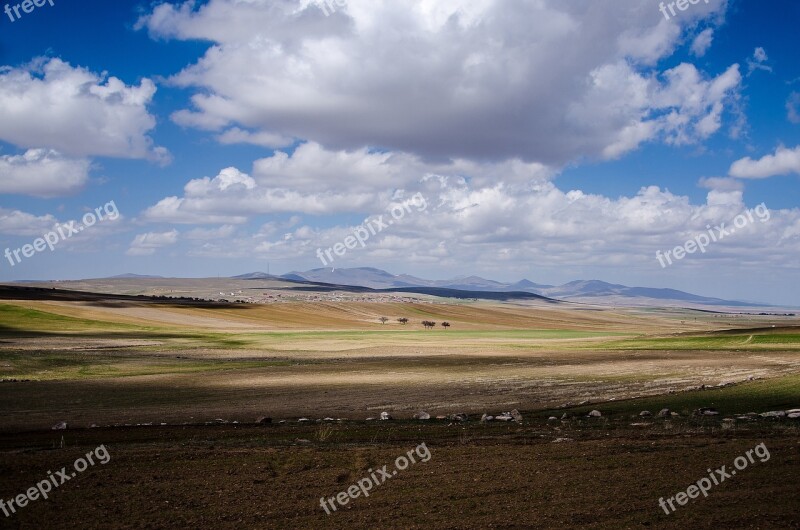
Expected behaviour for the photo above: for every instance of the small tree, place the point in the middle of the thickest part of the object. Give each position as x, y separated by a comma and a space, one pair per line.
383, 320
445, 325
428, 324
403, 321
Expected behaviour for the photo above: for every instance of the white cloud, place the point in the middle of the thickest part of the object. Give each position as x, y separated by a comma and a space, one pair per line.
264, 139
205, 234
317, 181
721, 184
793, 107
465, 79
147, 244
232, 195
42, 173
758, 62
536, 224
17, 223
783, 162
702, 42
50, 104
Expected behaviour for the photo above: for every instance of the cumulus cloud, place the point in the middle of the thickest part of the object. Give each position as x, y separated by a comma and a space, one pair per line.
467, 79
317, 181
477, 221
758, 61
784, 162
147, 244
702, 42
539, 224
721, 184
204, 234
232, 195
51, 104
264, 139
793, 107
42, 173
18, 223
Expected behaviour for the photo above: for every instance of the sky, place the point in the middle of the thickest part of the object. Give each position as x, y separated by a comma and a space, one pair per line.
552, 140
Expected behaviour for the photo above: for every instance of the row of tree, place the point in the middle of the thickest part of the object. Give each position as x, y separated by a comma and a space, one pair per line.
427, 323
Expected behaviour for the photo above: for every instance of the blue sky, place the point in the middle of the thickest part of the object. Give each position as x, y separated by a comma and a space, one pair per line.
555, 141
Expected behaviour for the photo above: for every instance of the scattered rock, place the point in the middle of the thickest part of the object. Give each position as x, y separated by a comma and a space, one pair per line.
706, 411
329, 419
516, 415
422, 415
385, 416
302, 441
793, 411
565, 416
773, 414
486, 418
504, 417
794, 416
94, 426
370, 419
441, 417
303, 420
458, 417
645, 414
264, 420
595, 414
663, 413
560, 440
552, 418
60, 426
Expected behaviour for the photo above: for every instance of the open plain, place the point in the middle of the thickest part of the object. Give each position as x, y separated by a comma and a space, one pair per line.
174, 388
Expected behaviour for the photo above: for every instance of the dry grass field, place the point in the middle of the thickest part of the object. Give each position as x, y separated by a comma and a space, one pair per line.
174, 390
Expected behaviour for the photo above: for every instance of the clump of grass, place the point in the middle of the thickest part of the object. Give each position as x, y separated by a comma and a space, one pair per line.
323, 433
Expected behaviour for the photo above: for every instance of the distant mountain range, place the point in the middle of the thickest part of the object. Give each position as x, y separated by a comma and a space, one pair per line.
589, 291
130, 276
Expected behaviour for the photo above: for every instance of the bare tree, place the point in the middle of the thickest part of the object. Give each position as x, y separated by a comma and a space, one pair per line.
383, 320
445, 325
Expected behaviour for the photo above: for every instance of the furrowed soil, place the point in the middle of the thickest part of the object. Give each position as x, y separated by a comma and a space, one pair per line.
477, 476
